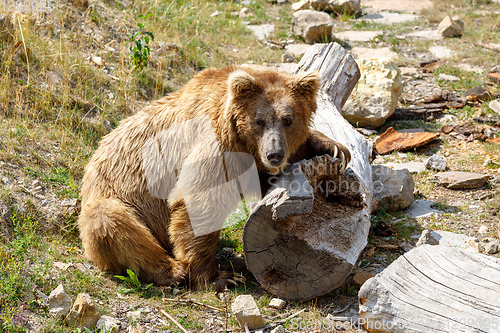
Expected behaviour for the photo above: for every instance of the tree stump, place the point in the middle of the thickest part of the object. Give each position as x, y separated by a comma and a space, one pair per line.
434, 288
303, 238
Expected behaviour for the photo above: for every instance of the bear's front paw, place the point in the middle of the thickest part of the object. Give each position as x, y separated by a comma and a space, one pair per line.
228, 279
173, 275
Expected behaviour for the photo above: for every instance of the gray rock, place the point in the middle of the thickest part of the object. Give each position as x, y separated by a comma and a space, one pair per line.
278, 329
6, 29
108, 324
457, 180
59, 302
337, 6
440, 237
441, 52
423, 208
301, 5
357, 35
262, 31
83, 314
492, 247
427, 238
134, 316
412, 167
6, 181
404, 6
277, 303
392, 188
246, 311
450, 28
312, 25
495, 105
436, 162
390, 18
287, 57
376, 94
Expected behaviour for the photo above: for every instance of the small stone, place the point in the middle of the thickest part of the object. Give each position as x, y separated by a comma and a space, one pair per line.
483, 229
473, 246
108, 324
245, 12
97, 60
312, 25
423, 208
449, 78
6, 181
392, 188
134, 316
278, 329
427, 238
246, 311
45, 203
361, 277
262, 31
492, 247
337, 6
277, 303
450, 28
436, 162
69, 202
83, 314
216, 13
176, 291
287, 57
495, 105
487, 162
300, 5
59, 302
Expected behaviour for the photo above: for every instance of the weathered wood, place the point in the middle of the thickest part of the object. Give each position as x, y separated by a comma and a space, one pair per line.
303, 238
434, 289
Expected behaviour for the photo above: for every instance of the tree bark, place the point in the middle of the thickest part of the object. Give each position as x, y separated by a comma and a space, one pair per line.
302, 240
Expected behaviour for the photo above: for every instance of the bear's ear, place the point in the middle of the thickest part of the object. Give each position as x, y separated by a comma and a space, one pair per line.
305, 84
242, 84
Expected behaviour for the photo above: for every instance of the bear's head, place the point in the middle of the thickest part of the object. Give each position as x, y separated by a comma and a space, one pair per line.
272, 113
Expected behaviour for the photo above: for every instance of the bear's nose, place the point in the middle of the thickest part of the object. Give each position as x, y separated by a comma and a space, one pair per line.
276, 157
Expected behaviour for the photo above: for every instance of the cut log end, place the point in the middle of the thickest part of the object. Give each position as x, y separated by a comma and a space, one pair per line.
300, 257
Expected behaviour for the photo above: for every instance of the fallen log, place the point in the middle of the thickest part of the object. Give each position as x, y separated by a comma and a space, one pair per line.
303, 238
434, 288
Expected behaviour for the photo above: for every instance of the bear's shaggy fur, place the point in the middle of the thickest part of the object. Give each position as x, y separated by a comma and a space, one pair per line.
136, 186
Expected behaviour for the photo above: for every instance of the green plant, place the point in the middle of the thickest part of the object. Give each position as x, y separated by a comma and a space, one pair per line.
139, 50
133, 281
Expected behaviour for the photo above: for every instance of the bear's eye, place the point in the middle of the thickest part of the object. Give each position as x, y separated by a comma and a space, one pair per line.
287, 121
261, 123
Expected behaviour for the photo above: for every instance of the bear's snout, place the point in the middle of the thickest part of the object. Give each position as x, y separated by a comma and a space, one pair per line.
274, 148
276, 157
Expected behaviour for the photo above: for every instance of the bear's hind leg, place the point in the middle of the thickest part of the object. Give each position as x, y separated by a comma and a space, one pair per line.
114, 239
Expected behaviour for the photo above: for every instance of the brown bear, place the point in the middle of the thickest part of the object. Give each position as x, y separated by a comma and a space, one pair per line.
154, 193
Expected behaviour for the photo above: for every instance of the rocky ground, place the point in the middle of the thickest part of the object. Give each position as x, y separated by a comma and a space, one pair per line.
408, 33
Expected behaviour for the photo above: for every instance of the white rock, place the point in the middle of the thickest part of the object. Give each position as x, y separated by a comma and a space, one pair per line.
300, 5
6, 181
495, 105
492, 247
376, 94
423, 208
246, 311
441, 52
83, 314
278, 329
245, 12
436, 162
312, 25
412, 167
392, 188
483, 229
409, 6
473, 246
96, 60
108, 324
446, 77
450, 28
59, 302
277, 303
